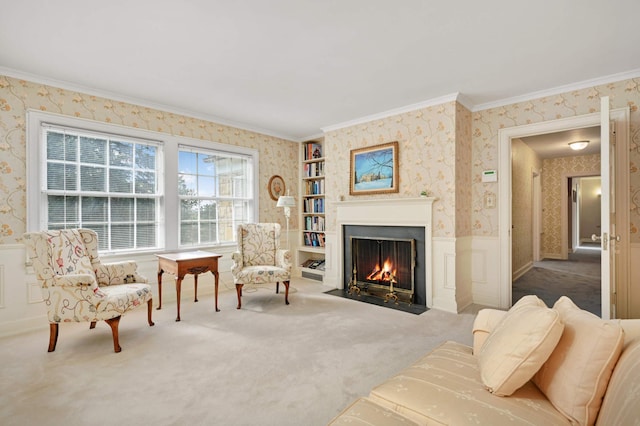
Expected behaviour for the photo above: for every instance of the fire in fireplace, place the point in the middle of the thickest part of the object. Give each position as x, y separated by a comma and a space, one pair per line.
384, 267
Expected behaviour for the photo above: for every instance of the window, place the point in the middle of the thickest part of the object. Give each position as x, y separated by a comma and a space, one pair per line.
102, 182
139, 190
214, 192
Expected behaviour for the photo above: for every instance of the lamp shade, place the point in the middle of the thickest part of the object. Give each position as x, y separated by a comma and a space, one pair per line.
286, 201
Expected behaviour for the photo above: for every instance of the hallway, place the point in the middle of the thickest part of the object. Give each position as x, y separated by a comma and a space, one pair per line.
578, 278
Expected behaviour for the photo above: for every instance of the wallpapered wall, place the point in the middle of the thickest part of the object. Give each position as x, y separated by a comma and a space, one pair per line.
426, 157
16, 96
486, 124
464, 195
524, 161
432, 141
554, 171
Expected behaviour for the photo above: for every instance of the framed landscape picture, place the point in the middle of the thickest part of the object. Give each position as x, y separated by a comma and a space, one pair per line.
374, 170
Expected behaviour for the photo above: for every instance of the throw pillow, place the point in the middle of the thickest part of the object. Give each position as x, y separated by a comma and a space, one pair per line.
576, 375
518, 346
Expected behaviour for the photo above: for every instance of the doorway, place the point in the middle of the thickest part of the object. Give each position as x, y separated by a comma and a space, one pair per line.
611, 296
551, 234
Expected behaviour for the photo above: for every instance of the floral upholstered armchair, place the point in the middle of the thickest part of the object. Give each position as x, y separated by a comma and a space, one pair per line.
76, 286
259, 259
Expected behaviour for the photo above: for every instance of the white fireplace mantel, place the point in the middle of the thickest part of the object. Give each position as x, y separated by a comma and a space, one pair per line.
387, 212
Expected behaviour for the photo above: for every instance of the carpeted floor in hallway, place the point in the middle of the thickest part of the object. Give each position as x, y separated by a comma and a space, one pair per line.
578, 278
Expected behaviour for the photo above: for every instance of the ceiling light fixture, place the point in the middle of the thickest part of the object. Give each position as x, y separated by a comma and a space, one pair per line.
578, 145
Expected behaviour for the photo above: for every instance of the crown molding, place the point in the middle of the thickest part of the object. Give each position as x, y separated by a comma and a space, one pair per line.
20, 75
389, 113
457, 97
559, 90
313, 137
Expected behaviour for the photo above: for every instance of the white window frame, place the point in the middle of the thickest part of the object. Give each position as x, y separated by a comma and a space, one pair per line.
167, 176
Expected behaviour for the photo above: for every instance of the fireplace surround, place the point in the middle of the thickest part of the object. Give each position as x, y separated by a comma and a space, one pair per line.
389, 215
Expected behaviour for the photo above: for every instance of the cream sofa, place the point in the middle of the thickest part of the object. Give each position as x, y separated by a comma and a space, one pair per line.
572, 368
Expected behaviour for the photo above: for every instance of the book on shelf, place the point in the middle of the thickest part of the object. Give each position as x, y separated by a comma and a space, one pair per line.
314, 264
313, 239
314, 205
313, 151
314, 223
307, 262
315, 187
314, 169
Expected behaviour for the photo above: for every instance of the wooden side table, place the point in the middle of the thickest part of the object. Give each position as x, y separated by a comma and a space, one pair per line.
181, 264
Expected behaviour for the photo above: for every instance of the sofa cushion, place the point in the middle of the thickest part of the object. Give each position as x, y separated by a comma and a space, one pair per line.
518, 346
576, 375
620, 403
444, 387
364, 412
483, 325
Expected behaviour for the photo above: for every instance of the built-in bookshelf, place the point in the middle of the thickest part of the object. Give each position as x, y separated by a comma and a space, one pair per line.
312, 221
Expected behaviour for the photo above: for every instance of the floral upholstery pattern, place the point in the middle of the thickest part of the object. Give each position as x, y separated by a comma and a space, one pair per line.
259, 259
76, 286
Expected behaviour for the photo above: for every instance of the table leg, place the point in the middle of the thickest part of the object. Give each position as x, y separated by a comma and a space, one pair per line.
195, 281
159, 289
178, 288
216, 275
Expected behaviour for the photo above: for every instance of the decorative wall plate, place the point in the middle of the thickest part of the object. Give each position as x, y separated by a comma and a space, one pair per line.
276, 187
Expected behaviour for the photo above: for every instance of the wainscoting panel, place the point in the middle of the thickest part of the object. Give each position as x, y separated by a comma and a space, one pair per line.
444, 274
485, 271
464, 285
22, 308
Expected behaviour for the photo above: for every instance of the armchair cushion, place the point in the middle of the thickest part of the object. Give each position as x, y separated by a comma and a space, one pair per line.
67, 253
118, 273
258, 244
262, 274
518, 346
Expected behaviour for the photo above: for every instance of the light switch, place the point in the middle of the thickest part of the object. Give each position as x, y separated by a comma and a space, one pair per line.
489, 200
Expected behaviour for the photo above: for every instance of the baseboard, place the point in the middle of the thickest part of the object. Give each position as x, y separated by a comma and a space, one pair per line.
25, 325
520, 272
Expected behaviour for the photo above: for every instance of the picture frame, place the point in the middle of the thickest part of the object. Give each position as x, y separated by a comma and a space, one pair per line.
276, 187
374, 170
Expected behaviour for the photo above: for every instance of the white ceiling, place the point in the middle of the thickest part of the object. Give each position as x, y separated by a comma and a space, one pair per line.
292, 67
553, 145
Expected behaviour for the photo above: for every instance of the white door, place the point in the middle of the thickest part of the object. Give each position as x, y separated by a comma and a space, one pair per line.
608, 237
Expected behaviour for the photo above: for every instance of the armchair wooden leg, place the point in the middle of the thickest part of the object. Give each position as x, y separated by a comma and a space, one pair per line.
149, 310
113, 323
53, 336
239, 292
286, 292
92, 325
277, 287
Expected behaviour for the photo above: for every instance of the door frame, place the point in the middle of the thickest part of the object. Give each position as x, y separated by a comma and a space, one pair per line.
536, 212
505, 135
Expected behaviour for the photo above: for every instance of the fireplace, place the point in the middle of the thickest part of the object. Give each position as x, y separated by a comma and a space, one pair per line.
384, 267
385, 262
397, 219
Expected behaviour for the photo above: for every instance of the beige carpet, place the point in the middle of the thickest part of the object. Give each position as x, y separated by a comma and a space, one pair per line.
267, 364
